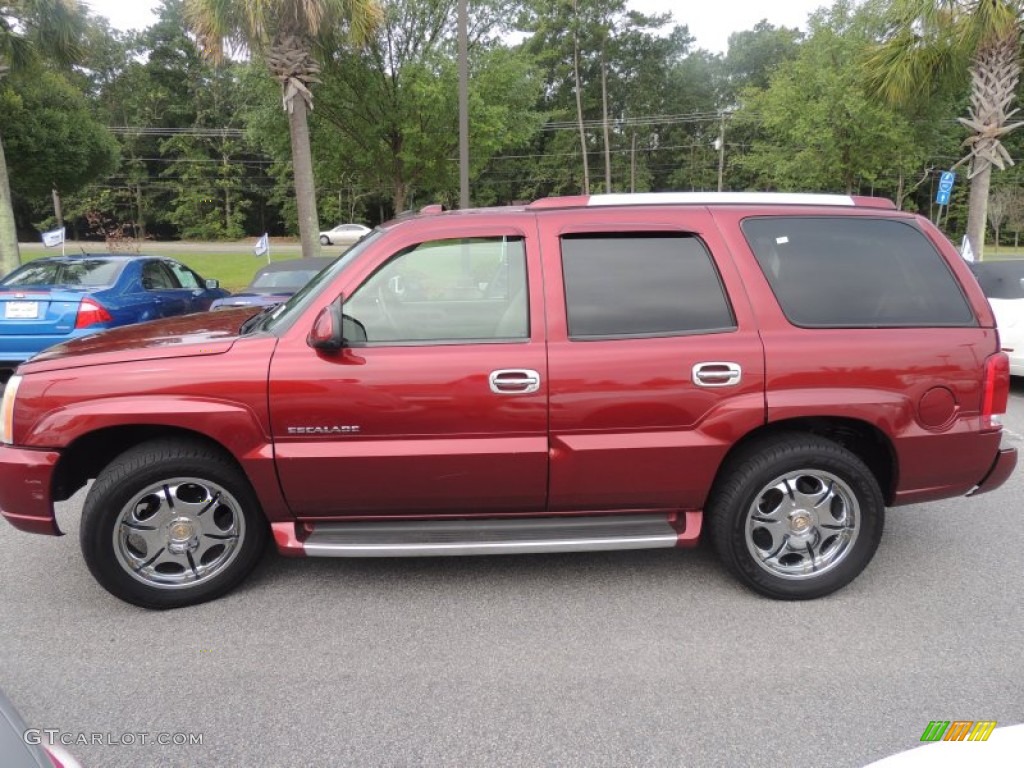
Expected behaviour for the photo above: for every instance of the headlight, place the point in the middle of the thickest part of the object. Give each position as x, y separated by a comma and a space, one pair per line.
7, 410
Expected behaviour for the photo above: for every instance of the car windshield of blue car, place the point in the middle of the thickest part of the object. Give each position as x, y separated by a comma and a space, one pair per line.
80, 273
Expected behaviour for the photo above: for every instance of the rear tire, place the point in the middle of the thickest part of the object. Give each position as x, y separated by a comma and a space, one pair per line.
170, 523
325, 240
796, 517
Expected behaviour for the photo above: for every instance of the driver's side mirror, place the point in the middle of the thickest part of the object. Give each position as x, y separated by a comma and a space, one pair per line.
212, 285
332, 329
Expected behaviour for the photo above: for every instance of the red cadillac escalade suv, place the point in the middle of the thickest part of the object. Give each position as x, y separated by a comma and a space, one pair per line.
581, 373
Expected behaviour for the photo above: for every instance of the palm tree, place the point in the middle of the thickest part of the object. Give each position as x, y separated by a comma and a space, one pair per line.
936, 42
31, 31
284, 33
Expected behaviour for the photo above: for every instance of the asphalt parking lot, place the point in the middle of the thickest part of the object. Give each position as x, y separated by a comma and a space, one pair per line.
634, 658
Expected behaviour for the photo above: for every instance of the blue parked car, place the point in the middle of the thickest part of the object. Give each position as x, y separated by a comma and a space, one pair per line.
56, 299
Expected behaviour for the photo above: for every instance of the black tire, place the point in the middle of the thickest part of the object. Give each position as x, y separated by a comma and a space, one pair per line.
170, 523
793, 546
325, 240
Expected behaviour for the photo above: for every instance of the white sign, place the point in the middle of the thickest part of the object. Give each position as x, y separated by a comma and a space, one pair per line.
965, 250
262, 246
53, 237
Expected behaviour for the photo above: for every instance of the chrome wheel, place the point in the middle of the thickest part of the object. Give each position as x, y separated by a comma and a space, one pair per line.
178, 533
802, 524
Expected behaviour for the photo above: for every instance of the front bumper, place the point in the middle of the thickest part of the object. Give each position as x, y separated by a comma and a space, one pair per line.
26, 479
1002, 468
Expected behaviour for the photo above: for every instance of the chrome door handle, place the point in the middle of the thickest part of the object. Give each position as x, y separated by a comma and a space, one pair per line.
716, 374
514, 381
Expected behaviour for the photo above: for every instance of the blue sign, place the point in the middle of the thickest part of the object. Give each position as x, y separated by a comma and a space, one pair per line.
945, 187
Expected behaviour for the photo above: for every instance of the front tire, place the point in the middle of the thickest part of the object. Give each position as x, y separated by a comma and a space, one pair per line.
171, 523
796, 517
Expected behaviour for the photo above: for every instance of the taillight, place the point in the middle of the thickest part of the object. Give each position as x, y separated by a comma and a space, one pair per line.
996, 393
91, 313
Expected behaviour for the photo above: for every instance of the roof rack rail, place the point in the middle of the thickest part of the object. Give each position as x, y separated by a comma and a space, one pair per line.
709, 198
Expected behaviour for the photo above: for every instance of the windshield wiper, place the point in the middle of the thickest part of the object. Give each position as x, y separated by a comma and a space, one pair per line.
255, 320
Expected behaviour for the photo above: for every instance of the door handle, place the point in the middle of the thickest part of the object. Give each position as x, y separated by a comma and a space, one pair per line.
514, 381
717, 374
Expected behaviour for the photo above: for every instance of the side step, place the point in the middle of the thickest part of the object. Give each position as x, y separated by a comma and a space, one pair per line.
490, 537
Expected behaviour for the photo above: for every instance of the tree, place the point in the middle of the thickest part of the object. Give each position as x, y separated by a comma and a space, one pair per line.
54, 142
30, 31
622, 60
286, 34
933, 43
1015, 216
818, 129
1000, 206
389, 112
754, 54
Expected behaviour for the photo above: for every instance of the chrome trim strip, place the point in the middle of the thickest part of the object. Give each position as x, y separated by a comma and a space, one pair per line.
484, 537
314, 549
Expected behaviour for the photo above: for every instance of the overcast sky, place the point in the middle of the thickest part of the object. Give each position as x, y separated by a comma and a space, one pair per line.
710, 21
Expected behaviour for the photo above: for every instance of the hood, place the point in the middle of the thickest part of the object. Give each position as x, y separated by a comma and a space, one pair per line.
203, 333
252, 298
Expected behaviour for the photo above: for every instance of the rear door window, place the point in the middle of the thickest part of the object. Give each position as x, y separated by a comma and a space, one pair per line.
641, 284
833, 272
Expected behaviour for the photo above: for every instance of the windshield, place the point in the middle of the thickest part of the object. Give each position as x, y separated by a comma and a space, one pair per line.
86, 273
282, 315
291, 280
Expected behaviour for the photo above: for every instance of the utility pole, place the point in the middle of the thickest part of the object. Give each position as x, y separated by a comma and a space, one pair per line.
632, 165
721, 152
463, 106
604, 120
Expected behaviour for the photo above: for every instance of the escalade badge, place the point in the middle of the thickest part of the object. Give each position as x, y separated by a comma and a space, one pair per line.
335, 430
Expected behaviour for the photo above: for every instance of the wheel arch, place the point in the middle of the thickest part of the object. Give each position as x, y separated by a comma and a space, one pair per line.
867, 442
85, 457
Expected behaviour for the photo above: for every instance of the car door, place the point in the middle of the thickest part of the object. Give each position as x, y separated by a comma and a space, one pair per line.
193, 289
443, 407
163, 289
655, 364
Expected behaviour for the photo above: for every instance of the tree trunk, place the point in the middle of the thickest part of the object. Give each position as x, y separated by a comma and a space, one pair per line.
58, 209
977, 210
398, 193
579, 100
140, 227
302, 168
10, 257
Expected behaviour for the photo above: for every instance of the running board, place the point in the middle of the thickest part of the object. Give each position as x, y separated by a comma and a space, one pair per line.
489, 537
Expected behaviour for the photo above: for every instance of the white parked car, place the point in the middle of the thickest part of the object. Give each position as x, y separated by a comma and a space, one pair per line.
1003, 283
343, 234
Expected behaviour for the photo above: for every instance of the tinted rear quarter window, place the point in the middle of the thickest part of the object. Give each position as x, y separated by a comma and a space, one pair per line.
627, 285
853, 272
